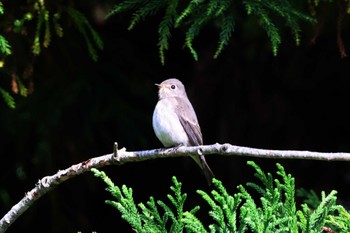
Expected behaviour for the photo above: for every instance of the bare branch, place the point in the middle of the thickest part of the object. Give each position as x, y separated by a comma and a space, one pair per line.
121, 156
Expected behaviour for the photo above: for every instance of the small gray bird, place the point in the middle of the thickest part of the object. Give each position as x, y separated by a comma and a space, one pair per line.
175, 122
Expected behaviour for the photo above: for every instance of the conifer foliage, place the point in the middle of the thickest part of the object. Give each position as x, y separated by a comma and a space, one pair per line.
266, 206
38, 21
194, 15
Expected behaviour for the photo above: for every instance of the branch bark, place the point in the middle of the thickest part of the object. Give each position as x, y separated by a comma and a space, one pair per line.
121, 156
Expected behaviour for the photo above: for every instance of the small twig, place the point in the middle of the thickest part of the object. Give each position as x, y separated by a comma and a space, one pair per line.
342, 12
121, 156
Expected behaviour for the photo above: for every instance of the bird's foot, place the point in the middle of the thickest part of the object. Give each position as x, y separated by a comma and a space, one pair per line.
175, 148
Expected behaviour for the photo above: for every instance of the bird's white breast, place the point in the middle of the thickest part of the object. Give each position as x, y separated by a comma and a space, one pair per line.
167, 126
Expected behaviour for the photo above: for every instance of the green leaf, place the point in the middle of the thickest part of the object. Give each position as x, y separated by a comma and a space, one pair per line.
5, 47
92, 39
9, 100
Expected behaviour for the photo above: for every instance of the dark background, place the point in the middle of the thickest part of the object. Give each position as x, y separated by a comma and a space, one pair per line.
296, 100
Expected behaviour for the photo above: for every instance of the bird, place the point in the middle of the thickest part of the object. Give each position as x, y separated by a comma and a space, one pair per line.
175, 122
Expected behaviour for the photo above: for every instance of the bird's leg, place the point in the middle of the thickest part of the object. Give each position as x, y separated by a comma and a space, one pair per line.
178, 146
174, 149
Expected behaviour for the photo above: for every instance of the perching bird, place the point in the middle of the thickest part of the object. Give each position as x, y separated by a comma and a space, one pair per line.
175, 122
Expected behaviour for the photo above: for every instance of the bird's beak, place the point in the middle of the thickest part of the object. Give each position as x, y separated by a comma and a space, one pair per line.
158, 85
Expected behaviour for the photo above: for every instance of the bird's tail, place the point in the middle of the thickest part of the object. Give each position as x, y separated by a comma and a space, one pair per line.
200, 160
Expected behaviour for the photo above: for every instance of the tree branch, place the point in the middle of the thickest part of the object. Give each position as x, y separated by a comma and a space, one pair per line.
121, 156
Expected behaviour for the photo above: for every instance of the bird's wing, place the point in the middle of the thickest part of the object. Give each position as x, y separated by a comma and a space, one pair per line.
190, 123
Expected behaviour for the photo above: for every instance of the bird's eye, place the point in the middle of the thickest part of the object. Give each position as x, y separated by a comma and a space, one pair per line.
172, 86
